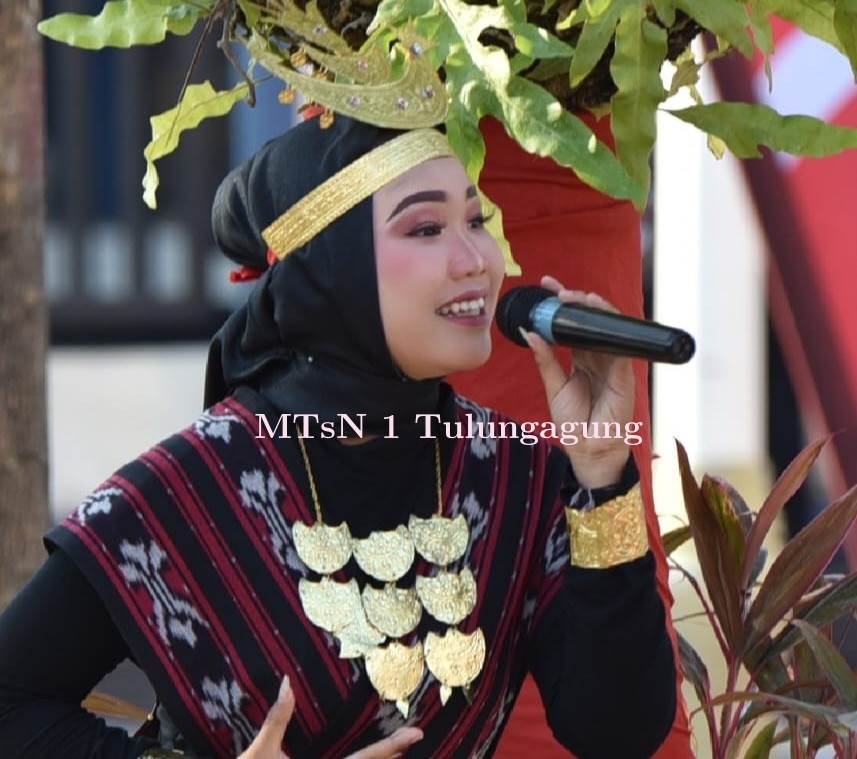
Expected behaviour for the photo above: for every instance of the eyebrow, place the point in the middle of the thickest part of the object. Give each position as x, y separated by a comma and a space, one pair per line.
427, 196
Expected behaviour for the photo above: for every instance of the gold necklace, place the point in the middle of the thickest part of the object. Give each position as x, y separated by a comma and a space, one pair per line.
364, 620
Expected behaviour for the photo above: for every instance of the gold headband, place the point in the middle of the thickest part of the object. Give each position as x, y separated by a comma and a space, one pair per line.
345, 189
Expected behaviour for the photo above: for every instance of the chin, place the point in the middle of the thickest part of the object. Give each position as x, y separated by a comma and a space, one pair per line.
473, 359
449, 360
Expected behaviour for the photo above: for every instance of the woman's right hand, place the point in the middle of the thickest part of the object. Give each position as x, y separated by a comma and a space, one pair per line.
268, 743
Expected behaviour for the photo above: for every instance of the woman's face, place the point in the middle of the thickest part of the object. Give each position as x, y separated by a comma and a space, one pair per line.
439, 270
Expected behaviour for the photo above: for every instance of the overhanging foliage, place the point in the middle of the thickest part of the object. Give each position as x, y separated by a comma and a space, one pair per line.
532, 64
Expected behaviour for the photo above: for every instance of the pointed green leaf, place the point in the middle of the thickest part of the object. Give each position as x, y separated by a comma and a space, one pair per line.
200, 102
772, 676
763, 33
531, 115
531, 39
463, 133
539, 43
719, 573
694, 670
845, 24
835, 601
674, 539
808, 675
594, 38
666, 12
798, 566
815, 17
761, 746
468, 22
686, 73
760, 23
849, 721
775, 703
582, 12
546, 69
395, 12
736, 502
744, 127
253, 12
719, 501
832, 663
785, 487
124, 23
728, 20
640, 49
543, 127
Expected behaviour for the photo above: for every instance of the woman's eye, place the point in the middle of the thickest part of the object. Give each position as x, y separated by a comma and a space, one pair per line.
426, 230
479, 221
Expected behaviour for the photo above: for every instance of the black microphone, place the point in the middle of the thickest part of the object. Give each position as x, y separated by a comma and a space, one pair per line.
539, 310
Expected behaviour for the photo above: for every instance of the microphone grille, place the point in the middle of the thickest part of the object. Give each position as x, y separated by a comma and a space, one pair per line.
514, 309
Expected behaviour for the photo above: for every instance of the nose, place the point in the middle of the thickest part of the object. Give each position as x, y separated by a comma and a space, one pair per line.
466, 257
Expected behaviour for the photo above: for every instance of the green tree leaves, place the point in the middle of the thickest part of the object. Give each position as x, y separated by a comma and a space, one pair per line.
641, 47
481, 81
745, 127
502, 58
125, 23
200, 101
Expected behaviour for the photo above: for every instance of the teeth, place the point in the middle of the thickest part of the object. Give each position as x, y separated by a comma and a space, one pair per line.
473, 307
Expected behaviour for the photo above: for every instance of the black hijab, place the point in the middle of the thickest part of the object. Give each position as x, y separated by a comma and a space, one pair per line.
310, 337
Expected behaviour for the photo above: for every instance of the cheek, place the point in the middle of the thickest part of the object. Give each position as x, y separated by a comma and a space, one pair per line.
494, 264
402, 286
406, 271
393, 266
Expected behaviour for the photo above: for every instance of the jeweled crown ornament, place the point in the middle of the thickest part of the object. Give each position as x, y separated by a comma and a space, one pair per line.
401, 90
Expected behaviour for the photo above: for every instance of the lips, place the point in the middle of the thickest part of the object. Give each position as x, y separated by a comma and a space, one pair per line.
465, 306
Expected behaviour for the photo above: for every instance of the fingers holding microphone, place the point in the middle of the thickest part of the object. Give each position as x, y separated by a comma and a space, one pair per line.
604, 371
599, 391
587, 321
593, 300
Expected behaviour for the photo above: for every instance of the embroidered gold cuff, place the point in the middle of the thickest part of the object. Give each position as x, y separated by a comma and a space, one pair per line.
610, 534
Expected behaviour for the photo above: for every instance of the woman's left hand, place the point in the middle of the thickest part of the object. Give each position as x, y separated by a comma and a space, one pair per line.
598, 390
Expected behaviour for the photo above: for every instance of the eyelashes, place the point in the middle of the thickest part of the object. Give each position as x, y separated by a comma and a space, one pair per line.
432, 228
483, 218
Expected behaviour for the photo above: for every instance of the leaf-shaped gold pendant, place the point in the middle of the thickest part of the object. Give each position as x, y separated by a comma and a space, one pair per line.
323, 548
331, 605
386, 556
440, 540
448, 597
455, 658
396, 670
394, 611
358, 637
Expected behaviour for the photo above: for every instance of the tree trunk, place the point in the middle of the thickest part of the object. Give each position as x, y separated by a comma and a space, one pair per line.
24, 511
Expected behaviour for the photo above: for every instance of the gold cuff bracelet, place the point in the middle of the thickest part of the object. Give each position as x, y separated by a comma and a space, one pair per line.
610, 534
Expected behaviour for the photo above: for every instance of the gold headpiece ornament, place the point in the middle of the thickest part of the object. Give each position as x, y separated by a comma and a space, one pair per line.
369, 85
345, 189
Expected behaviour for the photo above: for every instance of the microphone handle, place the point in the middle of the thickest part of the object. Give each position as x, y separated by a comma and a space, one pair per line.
606, 332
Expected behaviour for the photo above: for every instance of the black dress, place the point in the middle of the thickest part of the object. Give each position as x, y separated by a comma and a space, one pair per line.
185, 561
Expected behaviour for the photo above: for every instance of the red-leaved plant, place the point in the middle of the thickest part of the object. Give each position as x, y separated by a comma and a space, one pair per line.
786, 680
